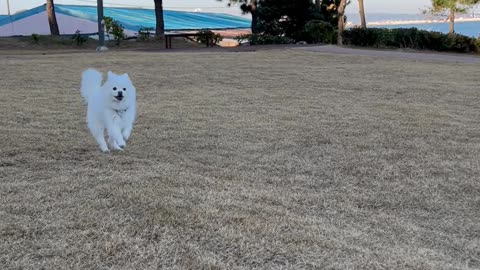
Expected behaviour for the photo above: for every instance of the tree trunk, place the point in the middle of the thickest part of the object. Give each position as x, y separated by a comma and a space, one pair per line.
160, 25
254, 22
52, 19
253, 11
361, 12
451, 21
341, 21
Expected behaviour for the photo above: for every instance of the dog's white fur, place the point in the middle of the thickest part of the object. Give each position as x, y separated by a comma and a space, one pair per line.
106, 111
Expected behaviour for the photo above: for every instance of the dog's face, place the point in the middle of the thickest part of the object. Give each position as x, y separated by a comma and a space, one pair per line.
119, 86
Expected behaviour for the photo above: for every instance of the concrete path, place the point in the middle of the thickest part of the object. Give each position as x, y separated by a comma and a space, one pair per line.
444, 57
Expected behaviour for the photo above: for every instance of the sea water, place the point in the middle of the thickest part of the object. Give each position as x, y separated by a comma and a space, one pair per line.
471, 29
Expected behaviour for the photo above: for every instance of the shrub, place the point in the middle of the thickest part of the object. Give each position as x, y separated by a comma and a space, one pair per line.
144, 33
35, 38
461, 43
371, 37
79, 39
432, 40
264, 39
477, 45
243, 38
410, 38
318, 31
114, 28
208, 37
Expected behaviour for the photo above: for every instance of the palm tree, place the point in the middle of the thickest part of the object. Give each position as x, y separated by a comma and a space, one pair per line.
52, 19
361, 12
341, 21
160, 25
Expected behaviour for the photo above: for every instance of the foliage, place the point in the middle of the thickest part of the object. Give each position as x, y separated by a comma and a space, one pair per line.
144, 33
245, 5
75, 39
410, 38
460, 43
285, 17
208, 37
114, 28
329, 12
78, 38
35, 38
477, 45
439, 7
248, 6
457, 6
264, 39
289, 18
318, 31
243, 38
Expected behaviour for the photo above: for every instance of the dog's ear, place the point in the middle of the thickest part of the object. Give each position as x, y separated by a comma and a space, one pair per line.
110, 74
125, 75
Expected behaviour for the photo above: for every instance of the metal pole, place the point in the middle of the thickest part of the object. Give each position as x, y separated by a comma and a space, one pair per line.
101, 27
8, 7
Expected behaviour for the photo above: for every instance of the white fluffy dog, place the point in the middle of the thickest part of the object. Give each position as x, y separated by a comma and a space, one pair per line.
110, 107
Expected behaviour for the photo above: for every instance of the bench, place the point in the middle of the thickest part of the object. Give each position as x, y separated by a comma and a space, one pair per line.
168, 38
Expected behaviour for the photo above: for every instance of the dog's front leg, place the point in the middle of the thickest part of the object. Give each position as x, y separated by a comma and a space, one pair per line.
97, 131
126, 132
128, 120
115, 138
101, 142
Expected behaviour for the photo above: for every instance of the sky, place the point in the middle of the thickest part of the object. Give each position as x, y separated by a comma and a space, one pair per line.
373, 6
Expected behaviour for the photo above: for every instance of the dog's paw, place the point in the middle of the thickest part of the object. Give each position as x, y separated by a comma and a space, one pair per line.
104, 149
121, 143
117, 148
126, 134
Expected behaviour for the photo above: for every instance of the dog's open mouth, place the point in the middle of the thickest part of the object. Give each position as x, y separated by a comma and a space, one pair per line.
119, 98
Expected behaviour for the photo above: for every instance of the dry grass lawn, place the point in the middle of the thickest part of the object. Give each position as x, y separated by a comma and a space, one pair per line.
275, 159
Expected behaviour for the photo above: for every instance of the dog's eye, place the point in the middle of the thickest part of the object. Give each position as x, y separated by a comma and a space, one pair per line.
124, 89
114, 88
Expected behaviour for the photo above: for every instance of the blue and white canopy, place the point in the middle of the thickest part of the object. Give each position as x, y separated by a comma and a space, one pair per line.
71, 18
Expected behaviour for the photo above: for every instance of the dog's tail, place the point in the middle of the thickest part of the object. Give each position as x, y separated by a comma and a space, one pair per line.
91, 81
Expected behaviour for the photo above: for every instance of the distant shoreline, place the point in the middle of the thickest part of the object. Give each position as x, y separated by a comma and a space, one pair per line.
415, 22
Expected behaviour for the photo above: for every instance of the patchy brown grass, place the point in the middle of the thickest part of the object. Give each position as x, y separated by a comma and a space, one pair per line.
253, 160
